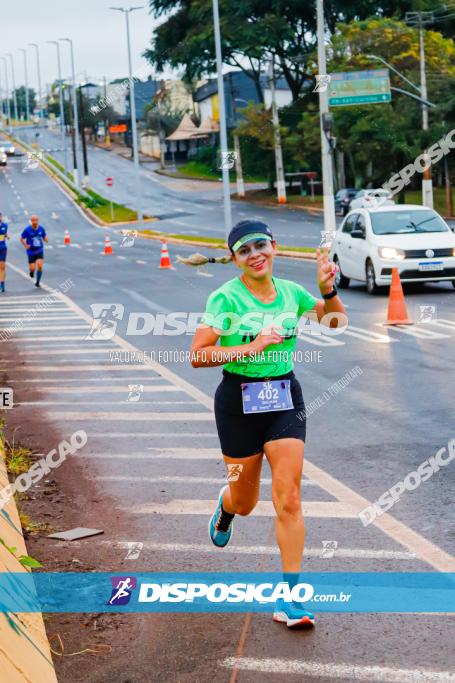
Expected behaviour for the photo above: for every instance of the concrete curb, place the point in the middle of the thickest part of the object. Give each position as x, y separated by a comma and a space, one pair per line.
25, 654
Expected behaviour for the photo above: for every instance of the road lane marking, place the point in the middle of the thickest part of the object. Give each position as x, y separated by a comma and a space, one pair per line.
32, 328
41, 317
350, 672
125, 402
264, 508
74, 350
65, 380
319, 339
84, 368
399, 532
367, 335
419, 332
346, 553
140, 417
183, 480
199, 455
106, 390
424, 549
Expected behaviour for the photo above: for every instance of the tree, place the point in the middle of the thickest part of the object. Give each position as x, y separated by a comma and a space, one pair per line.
21, 101
254, 30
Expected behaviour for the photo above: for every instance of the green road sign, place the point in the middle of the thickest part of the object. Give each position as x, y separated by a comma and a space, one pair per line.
359, 87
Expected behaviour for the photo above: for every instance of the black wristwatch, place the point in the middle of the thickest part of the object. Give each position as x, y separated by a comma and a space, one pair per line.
331, 294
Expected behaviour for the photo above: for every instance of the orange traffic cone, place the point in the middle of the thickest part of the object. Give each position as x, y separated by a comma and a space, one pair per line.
67, 238
397, 313
107, 245
165, 261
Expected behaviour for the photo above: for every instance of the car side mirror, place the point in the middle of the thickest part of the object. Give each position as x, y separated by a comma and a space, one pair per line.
358, 234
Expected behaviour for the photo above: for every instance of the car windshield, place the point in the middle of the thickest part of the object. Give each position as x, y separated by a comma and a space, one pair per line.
400, 222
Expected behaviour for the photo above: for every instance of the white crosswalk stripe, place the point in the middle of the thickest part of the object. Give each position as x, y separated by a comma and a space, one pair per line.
418, 332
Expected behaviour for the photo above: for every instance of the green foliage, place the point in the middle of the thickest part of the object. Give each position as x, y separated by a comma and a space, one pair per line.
25, 560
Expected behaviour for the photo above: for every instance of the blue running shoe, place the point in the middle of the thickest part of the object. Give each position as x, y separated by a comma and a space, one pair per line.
292, 614
219, 536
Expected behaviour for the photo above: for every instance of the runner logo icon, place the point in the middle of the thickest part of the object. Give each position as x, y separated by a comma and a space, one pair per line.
122, 587
105, 319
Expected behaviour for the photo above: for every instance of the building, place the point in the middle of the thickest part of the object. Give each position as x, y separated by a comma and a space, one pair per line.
144, 91
239, 90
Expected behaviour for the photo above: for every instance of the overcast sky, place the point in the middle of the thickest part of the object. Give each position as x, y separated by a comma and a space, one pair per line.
99, 37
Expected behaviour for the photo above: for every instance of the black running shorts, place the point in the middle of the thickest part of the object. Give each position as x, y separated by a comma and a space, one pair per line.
243, 435
32, 258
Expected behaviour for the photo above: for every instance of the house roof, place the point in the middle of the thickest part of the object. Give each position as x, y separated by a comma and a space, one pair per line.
186, 130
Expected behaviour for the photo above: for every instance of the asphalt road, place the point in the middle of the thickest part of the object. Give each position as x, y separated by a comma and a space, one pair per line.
184, 206
158, 458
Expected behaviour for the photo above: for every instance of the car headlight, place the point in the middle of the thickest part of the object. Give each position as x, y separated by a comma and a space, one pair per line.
391, 253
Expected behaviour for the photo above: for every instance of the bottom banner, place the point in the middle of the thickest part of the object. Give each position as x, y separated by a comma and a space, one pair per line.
226, 592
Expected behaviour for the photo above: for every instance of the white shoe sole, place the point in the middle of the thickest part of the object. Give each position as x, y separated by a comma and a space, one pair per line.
282, 618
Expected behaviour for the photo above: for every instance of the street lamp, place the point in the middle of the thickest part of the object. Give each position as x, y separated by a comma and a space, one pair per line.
62, 110
326, 157
14, 87
427, 184
222, 114
126, 12
27, 105
280, 182
75, 113
38, 69
8, 108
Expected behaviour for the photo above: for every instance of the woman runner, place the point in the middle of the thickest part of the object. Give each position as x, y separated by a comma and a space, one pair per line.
259, 407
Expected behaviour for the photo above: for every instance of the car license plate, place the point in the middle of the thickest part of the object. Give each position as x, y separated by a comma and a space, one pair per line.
265, 397
431, 265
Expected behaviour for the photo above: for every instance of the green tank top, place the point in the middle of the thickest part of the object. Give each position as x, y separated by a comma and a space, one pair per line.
234, 312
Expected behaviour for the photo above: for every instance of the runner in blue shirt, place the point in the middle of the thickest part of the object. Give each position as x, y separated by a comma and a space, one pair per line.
33, 238
3, 249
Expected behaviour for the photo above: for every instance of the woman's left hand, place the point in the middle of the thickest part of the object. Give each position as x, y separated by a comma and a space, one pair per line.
326, 271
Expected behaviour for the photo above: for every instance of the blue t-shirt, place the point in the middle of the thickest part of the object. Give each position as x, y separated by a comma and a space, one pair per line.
34, 237
3, 232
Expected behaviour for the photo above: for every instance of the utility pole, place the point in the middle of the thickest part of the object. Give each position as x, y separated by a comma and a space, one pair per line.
14, 88
223, 127
107, 137
85, 180
75, 135
38, 68
237, 150
418, 19
27, 104
62, 108
127, 12
326, 157
280, 182
1, 103
8, 106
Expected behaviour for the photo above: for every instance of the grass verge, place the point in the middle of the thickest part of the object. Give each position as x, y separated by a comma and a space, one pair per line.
216, 241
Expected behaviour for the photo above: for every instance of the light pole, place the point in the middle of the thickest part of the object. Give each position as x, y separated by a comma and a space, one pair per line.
126, 12
238, 155
38, 69
27, 104
418, 19
223, 127
14, 88
75, 113
62, 109
8, 107
326, 158
280, 182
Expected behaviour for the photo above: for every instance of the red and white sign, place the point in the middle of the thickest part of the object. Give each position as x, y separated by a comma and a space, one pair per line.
109, 182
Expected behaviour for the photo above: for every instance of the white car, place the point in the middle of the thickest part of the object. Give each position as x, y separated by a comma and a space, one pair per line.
414, 239
371, 199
